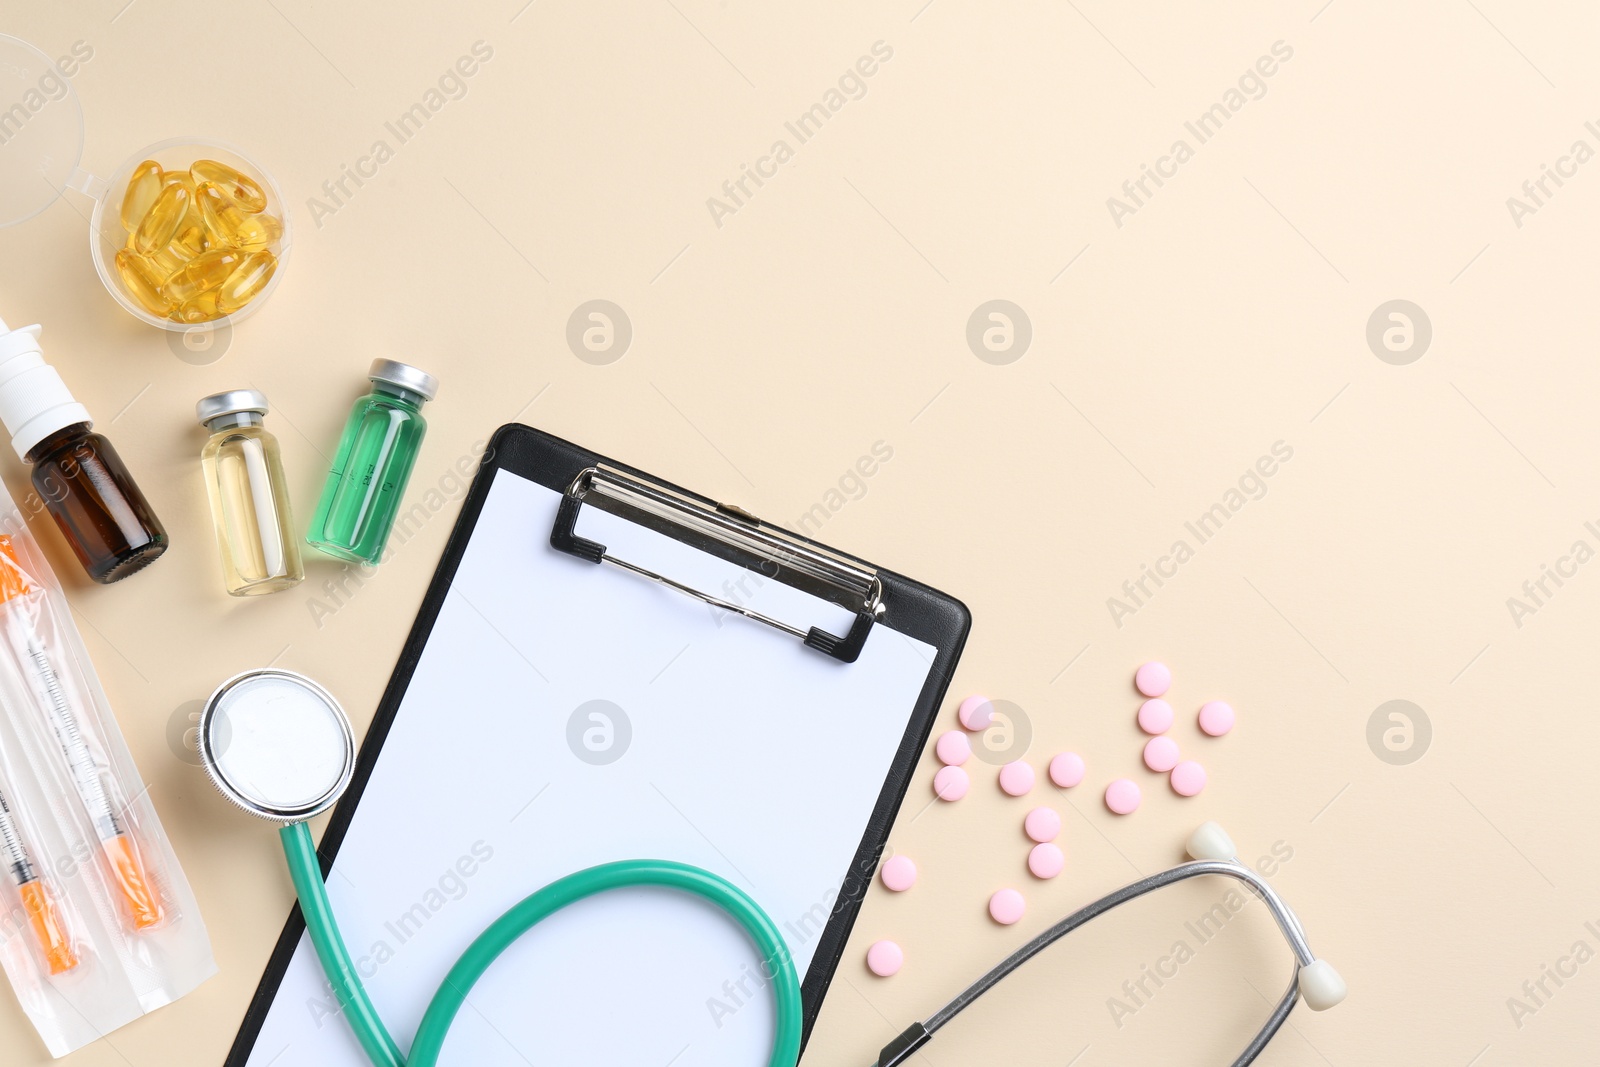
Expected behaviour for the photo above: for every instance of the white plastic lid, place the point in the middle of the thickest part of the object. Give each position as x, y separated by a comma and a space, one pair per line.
34, 401
41, 132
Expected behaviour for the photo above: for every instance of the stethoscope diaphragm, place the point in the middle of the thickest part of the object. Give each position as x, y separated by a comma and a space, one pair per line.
276, 744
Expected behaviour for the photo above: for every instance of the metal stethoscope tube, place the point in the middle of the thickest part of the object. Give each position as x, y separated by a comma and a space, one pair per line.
1322, 985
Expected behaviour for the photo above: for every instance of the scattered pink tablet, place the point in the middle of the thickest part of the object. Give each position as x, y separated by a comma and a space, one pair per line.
1016, 778
1046, 860
976, 713
1066, 770
1007, 906
884, 958
1188, 778
953, 748
1042, 824
951, 783
1216, 718
1153, 679
898, 874
1122, 796
1161, 754
1155, 716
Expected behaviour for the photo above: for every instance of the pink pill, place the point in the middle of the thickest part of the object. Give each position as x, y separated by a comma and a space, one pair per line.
953, 749
1066, 770
1155, 716
1161, 754
951, 783
1046, 860
1122, 796
976, 713
1188, 778
898, 874
1216, 718
1007, 906
1016, 778
1042, 824
884, 958
1153, 679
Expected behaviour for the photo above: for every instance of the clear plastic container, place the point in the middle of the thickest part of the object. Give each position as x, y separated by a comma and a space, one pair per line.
106, 235
40, 162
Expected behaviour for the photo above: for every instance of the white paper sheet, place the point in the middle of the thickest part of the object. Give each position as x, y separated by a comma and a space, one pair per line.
749, 754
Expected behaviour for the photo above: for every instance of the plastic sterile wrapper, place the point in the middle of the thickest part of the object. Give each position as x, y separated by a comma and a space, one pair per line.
98, 925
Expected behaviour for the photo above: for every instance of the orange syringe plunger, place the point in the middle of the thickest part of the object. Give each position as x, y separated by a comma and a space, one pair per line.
120, 849
142, 902
47, 927
36, 902
13, 582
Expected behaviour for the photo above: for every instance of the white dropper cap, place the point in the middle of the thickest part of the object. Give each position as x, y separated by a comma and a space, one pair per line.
34, 401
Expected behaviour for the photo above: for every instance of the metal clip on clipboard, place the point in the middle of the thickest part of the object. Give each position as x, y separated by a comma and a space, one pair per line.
730, 533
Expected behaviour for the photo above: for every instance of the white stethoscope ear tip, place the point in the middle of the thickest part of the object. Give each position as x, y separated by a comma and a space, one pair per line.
1211, 842
1321, 987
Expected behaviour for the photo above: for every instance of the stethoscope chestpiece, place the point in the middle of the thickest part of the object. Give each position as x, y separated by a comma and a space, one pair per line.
276, 744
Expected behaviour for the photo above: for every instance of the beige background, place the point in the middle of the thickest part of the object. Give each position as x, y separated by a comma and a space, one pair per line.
829, 313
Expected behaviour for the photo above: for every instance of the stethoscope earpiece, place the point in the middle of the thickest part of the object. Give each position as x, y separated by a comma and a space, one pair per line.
1315, 981
1210, 842
1321, 987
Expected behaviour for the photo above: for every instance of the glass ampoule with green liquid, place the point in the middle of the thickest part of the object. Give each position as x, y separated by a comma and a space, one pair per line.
362, 495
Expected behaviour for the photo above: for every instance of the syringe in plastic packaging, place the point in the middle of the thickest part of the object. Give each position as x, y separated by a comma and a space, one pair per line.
121, 851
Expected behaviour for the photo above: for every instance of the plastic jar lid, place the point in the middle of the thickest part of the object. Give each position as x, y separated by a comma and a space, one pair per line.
41, 132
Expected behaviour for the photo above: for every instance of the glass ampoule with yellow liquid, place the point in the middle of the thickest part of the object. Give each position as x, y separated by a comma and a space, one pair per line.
249, 495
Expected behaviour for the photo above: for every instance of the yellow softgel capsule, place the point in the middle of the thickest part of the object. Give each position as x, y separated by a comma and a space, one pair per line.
189, 241
178, 177
257, 232
244, 284
193, 217
200, 308
155, 231
140, 282
222, 217
143, 186
204, 272
241, 187
210, 269
164, 262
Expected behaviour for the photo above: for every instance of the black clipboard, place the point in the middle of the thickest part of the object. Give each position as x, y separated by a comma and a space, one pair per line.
883, 598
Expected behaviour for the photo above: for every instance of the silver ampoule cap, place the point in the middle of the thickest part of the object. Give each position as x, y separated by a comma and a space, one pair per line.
412, 379
230, 402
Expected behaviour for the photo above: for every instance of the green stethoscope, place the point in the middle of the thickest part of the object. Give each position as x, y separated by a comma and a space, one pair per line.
279, 746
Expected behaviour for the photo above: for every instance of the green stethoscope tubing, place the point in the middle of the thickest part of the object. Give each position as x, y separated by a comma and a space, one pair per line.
306, 872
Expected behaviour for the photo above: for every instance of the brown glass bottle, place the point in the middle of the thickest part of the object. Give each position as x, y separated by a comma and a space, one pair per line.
94, 500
